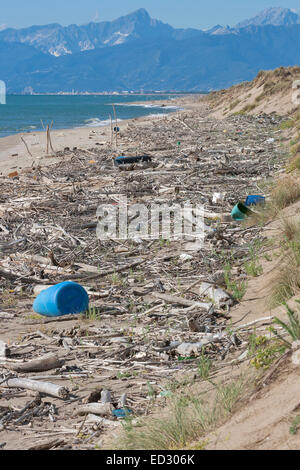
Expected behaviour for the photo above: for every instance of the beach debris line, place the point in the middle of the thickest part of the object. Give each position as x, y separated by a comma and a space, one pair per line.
155, 306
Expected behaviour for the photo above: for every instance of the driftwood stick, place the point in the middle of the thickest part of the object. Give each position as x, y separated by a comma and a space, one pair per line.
14, 277
180, 301
184, 124
6, 316
51, 361
47, 135
47, 445
110, 271
111, 130
42, 387
26, 146
265, 319
50, 141
116, 121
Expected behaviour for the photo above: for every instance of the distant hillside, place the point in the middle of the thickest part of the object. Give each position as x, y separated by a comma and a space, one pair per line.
137, 52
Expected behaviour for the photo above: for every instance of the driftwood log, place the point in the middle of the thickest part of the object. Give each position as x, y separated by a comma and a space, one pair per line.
42, 387
100, 409
49, 362
47, 445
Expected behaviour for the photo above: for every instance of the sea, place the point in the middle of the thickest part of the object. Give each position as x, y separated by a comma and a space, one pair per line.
28, 113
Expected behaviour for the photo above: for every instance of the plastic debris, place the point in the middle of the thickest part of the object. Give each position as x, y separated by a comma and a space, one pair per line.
165, 394
218, 198
13, 174
254, 200
129, 160
122, 413
240, 211
216, 294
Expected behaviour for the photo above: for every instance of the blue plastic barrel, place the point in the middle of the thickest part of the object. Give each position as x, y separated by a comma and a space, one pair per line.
254, 200
66, 298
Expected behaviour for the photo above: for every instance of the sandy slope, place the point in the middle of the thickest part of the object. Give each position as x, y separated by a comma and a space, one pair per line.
270, 92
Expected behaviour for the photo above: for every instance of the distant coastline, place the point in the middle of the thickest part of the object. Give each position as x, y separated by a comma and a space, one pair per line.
113, 93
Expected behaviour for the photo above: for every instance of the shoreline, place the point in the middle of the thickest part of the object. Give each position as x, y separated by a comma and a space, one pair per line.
14, 155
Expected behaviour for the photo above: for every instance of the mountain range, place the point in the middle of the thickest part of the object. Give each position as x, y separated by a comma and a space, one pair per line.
137, 52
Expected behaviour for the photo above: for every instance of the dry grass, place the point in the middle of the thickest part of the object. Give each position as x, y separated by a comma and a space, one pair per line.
290, 229
285, 285
7, 298
294, 163
284, 193
286, 282
186, 419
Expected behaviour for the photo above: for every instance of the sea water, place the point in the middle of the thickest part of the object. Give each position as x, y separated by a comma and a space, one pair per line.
23, 114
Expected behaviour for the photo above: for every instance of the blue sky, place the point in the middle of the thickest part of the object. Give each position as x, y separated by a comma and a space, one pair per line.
178, 13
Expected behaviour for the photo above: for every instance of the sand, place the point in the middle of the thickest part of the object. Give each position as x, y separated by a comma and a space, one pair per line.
262, 423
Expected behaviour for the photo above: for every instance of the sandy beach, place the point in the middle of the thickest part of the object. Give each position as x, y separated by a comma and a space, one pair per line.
150, 311
14, 155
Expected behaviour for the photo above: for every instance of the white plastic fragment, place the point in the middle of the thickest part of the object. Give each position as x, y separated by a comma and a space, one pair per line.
218, 198
216, 294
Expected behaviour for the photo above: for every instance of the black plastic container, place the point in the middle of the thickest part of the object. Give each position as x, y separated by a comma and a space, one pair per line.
129, 160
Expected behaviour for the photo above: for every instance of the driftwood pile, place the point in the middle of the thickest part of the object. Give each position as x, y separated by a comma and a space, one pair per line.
155, 306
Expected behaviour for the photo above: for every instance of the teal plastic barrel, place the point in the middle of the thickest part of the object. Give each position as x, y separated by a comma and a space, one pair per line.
66, 298
240, 211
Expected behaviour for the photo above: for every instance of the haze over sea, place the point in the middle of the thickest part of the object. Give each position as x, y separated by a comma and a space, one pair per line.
26, 113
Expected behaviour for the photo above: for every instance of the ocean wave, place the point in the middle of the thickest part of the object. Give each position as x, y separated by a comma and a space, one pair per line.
26, 128
96, 122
